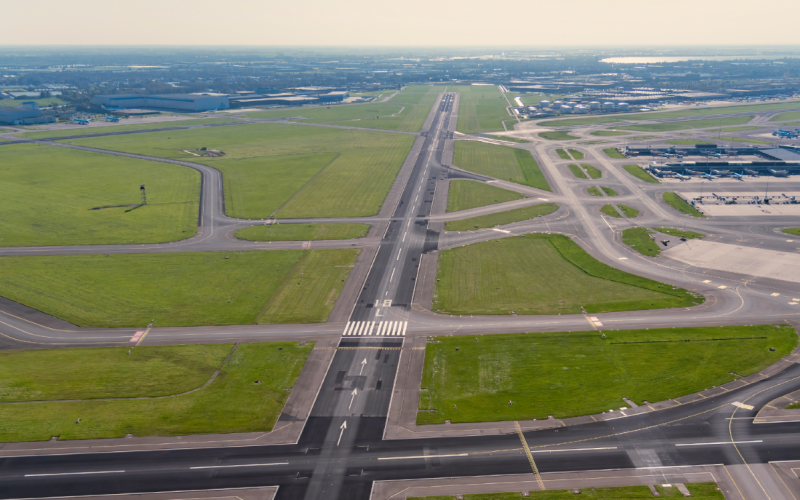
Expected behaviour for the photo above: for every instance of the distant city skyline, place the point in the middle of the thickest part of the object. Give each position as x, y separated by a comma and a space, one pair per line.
409, 23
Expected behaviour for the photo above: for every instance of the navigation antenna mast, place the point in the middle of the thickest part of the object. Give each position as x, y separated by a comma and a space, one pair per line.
144, 196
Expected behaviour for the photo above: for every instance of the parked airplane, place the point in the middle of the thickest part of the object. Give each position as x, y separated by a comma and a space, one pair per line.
112, 118
682, 177
751, 172
738, 176
82, 121
779, 173
112, 109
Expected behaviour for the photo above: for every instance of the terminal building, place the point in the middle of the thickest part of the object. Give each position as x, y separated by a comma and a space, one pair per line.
183, 102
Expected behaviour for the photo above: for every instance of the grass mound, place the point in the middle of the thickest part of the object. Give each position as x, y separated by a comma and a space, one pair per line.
690, 235
498, 277
557, 135
614, 153
570, 374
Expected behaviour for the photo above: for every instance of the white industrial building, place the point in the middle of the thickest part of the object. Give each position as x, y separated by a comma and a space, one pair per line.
183, 102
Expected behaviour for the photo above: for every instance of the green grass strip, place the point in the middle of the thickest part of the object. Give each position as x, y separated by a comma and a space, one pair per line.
610, 211
608, 133
608, 191
685, 125
594, 191
639, 239
531, 171
110, 129
302, 232
629, 212
593, 172
557, 135
577, 171
700, 491
686, 142
563, 154
639, 173
466, 194
501, 218
206, 411
498, 277
613, 153
680, 204
793, 406
690, 235
792, 230
569, 374
576, 154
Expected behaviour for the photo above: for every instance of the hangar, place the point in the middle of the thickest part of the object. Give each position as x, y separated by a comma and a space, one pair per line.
184, 102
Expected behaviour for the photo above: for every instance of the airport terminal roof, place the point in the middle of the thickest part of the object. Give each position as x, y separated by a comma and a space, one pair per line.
782, 154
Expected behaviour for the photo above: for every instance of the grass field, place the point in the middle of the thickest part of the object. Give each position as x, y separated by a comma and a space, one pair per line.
47, 195
563, 154
639, 173
685, 113
557, 135
746, 140
629, 212
594, 173
690, 124
610, 211
42, 102
465, 194
308, 171
417, 94
386, 116
742, 129
792, 115
570, 374
501, 218
178, 289
106, 372
793, 406
792, 230
500, 162
576, 154
608, 133
638, 238
690, 235
205, 411
111, 128
680, 204
700, 491
644, 138
302, 232
482, 108
577, 171
497, 277
613, 153
594, 191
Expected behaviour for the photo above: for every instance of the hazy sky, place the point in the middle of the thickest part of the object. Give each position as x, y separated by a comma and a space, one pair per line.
408, 22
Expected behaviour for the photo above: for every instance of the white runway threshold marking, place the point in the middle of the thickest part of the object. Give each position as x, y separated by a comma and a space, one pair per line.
241, 465
717, 443
385, 329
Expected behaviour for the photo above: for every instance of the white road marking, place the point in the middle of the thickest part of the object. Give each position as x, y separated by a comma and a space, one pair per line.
424, 456
718, 442
366, 328
392, 276
574, 449
623, 258
76, 473
722, 287
242, 465
742, 405
501, 230
398, 254
706, 281
371, 326
774, 294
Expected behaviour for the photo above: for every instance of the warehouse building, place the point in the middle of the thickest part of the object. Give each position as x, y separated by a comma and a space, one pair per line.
183, 102
26, 114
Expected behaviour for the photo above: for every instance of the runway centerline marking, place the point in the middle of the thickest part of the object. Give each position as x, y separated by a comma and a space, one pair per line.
241, 465
718, 442
76, 473
425, 456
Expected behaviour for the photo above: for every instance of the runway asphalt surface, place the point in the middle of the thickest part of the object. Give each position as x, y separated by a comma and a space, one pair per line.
341, 451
